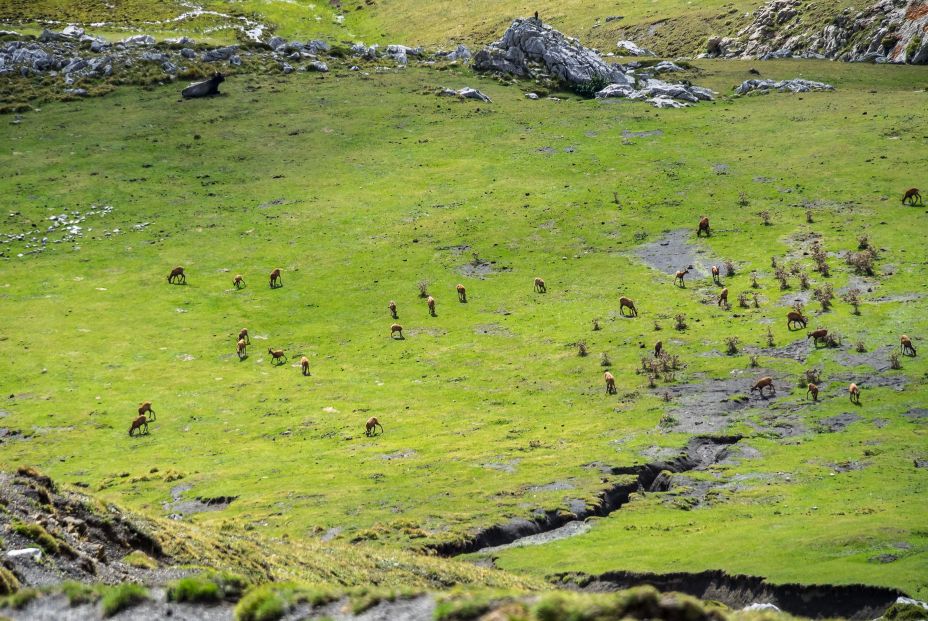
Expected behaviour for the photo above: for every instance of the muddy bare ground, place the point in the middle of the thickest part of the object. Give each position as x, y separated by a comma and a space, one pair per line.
180, 507
855, 602
700, 452
675, 251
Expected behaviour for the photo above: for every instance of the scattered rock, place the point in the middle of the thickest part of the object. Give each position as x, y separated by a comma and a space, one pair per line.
317, 65
796, 85
141, 39
629, 48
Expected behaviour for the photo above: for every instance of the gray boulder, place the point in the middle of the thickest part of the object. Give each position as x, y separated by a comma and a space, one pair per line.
629, 48
220, 53
275, 43
317, 46
235, 60
317, 65
188, 53
286, 68
462, 52
153, 57
72, 30
797, 85
529, 43
169, 67
665, 66
141, 39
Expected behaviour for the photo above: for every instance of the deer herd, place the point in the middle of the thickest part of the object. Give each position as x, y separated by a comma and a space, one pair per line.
794, 320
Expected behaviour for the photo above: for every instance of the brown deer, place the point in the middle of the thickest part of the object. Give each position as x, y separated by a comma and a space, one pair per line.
854, 391
277, 356
906, 344
540, 285
679, 277
240, 348
304, 365
703, 226
462, 294
177, 275
610, 383
715, 275
723, 297
625, 302
146, 408
392, 307
276, 280
817, 335
138, 423
238, 282
794, 317
912, 196
396, 328
762, 383
243, 335
812, 390
430, 302
658, 348
370, 427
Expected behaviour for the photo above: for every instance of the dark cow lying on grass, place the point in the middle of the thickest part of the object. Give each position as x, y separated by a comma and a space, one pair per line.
207, 88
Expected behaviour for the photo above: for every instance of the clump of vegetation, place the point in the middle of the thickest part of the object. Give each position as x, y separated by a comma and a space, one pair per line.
35, 474
770, 341
139, 559
657, 326
863, 242
680, 321
904, 612
20, 599
604, 360
860, 347
894, 362
581, 349
8, 582
198, 589
596, 326
423, 288
729, 267
773, 262
270, 602
122, 597
592, 86
803, 280
811, 376
756, 300
824, 294
79, 593
743, 199
832, 339
862, 261
38, 534
809, 217
731, 345
754, 361
754, 283
821, 259
764, 217
852, 297
743, 299
783, 276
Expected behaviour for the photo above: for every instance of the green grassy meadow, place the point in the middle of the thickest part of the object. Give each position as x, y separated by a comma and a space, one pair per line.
359, 186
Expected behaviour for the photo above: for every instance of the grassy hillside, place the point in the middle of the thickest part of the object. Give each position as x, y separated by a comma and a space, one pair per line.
361, 186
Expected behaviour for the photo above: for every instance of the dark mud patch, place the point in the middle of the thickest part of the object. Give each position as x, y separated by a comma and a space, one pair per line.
856, 602
878, 359
507, 466
627, 133
700, 452
894, 379
179, 508
778, 424
907, 297
426, 331
797, 350
709, 406
836, 423
849, 466
492, 329
790, 298
481, 269
864, 285
675, 251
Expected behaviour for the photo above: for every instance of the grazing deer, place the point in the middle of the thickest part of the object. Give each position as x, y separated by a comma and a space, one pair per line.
177, 275
146, 408
906, 345
392, 307
762, 383
812, 390
396, 328
430, 302
540, 285
304, 365
277, 356
912, 196
238, 282
715, 275
138, 423
703, 226
817, 335
241, 349
723, 298
243, 335
625, 302
794, 317
462, 293
679, 276
276, 280
370, 427
854, 391
610, 383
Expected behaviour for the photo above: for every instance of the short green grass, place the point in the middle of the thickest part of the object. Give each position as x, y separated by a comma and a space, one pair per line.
121, 597
361, 186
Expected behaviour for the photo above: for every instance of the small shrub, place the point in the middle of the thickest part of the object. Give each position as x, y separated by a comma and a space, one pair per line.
79, 593
731, 345
863, 242
852, 297
657, 326
39, 535
139, 559
764, 217
832, 339
860, 347
756, 300
770, 341
20, 599
651, 381
809, 217
729, 267
604, 360
423, 288
862, 262
773, 262
8, 582
667, 397
781, 275
894, 362
821, 259
754, 284
754, 362
592, 86
680, 320
899, 611
122, 597
743, 199
803, 280
197, 589
743, 299
596, 326
811, 376
824, 294
640, 236
581, 349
